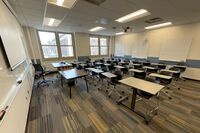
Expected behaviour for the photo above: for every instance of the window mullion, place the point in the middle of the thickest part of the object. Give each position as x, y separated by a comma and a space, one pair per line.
58, 45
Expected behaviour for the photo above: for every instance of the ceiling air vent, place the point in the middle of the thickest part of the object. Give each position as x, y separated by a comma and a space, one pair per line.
96, 2
154, 20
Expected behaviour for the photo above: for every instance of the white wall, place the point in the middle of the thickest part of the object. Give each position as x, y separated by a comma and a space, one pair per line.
155, 38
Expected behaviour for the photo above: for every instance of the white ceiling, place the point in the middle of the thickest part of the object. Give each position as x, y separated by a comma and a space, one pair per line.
84, 16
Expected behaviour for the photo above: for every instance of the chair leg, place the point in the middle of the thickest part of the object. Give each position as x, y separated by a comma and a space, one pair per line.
169, 96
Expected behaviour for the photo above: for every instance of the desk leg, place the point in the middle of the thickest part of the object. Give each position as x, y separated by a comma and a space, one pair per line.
133, 99
86, 83
61, 80
70, 91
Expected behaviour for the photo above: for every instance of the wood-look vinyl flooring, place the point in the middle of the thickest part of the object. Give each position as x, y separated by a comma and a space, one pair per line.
52, 111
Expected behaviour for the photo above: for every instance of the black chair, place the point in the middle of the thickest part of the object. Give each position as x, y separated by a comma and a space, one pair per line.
140, 75
176, 75
40, 72
111, 67
114, 82
138, 66
146, 63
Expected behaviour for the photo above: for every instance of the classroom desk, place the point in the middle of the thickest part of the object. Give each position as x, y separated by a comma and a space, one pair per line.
94, 70
136, 70
71, 75
171, 71
157, 75
106, 64
108, 75
119, 67
148, 67
142, 85
158, 64
98, 63
61, 65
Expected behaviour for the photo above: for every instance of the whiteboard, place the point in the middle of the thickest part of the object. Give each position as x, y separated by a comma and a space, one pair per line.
11, 35
175, 49
140, 49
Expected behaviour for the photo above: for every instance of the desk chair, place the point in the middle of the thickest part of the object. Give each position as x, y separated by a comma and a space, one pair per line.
146, 63
40, 72
111, 67
114, 82
147, 96
165, 82
125, 70
141, 75
176, 75
138, 67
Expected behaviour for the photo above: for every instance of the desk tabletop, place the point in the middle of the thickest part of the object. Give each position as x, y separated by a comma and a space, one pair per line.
148, 67
109, 75
179, 66
160, 76
94, 70
171, 71
135, 64
143, 85
136, 70
73, 73
158, 64
106, 64
60, 64
98, 63
119, 67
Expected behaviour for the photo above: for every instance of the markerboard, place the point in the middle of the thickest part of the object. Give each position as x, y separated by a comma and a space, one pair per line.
175, 49
11, 35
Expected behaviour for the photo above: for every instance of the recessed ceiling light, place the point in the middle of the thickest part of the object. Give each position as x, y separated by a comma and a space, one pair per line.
120, 33
132, 16
158, 25
51, 22
96, 29
59, 2
63, 3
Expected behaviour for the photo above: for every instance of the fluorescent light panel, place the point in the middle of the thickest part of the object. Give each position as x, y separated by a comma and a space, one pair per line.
158, 25
120, 33
132, 16
63, 3
51, 22
98, 28
60, 2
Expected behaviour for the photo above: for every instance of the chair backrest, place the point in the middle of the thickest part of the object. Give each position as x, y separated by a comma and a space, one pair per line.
118, 74
166, 73
175, 69
141, 75
38, 68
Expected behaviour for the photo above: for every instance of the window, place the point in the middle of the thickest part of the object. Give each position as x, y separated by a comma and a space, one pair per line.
104, 46
98, 46
94, 46
49, 45
66, 45
56, 48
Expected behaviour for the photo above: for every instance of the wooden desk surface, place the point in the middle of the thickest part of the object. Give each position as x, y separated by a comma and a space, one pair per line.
136, 70
166, 70
60, 64
73, 73
160, 76
158, 64
109, 75
148, 67
135, 64
94, 70
143, 85
179, 66
119, 67
106, 64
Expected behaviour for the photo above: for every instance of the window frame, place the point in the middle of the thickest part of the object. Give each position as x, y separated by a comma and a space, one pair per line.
99, 46
58, 46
